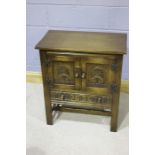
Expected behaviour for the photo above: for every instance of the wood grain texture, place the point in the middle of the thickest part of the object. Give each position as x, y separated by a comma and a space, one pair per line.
84, 110
81, 99
116, 95
36, 77
48, 109
84, 42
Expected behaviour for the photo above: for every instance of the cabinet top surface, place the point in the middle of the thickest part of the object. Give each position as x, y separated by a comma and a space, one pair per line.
83, 42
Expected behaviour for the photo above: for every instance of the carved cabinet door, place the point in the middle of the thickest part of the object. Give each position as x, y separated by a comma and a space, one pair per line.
98, 73
63, 72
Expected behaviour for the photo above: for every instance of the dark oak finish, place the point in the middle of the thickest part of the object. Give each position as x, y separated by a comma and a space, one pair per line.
82, 72
92, 42
83, 110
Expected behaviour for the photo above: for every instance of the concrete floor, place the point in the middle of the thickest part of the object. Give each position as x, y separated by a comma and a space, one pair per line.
73, 133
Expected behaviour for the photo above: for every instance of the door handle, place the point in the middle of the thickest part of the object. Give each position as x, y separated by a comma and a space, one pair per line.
77, 72
77, 75
83, 75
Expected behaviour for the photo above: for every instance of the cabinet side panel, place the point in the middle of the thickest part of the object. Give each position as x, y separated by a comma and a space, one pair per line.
116, 95
46, 88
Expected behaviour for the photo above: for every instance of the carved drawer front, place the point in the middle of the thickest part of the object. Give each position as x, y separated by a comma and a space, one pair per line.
62, 70
78, 99
99, 73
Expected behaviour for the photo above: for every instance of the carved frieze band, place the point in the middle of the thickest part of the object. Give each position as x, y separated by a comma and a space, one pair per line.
75, 97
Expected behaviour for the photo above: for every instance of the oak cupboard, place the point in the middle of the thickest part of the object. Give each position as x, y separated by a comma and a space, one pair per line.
82, 72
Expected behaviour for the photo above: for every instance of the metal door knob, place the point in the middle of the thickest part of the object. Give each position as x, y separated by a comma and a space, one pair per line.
83, 75
76, 75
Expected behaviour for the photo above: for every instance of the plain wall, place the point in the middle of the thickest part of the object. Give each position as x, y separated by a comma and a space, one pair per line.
78, 15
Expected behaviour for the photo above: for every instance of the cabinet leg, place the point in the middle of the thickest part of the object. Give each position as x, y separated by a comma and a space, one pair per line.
49, 122
49, 116
113, 124
114, 117
49, 119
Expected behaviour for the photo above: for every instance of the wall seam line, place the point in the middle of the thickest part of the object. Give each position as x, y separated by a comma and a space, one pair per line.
123, 6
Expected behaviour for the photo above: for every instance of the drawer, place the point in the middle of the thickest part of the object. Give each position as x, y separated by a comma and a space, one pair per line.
87, 100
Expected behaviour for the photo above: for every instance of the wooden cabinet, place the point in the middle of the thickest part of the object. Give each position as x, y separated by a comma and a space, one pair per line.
82, 72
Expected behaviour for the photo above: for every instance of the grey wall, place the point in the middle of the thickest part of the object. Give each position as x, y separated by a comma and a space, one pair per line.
79, 15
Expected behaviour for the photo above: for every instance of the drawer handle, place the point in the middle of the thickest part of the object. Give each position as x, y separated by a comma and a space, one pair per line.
83, 75
76, 75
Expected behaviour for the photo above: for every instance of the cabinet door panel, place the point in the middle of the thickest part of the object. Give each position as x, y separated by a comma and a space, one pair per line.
98, 73
63, 73
62, 70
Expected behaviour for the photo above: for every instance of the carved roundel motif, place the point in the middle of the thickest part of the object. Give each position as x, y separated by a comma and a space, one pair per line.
63, 72
96, 74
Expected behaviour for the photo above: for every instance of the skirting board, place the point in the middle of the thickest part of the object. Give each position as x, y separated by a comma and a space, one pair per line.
36, 77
